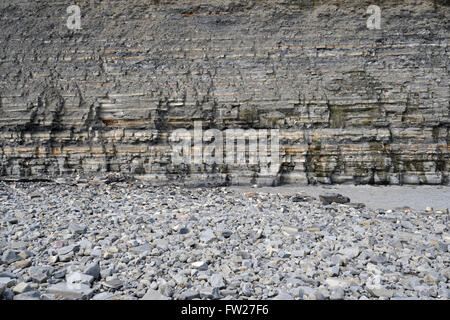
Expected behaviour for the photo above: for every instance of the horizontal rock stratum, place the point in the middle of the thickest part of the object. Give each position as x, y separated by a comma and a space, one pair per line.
352, 104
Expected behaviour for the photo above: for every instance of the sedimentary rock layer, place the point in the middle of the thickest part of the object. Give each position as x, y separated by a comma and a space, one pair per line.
352, 105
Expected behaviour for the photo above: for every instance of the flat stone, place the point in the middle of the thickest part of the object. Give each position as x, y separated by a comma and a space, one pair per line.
10, 256
78, 277
247, 263
106, 272
207, 236
379, 259
337, 293
21, 288
68, 249
97, 253
446, 273
432, 277
334, 271
30, 295
373, 268
329, 198
283, 296
113, 284
190, 294
66, 257
60, 274
217, 281
25, 254
22, 264
2, 288
200, 265
161, 244
39, 277
209, 293
380, 291
18, 245
145, 248
336, 282
103, 296
350, 253
247, 290
7, 274
77, 229
92, 269
85, 244
71, 291
113, 250
293, 282
9, 282
165, 289
290, 231
183, 230
225, 233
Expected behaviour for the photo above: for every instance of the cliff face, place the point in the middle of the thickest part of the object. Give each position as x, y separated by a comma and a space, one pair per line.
351, 104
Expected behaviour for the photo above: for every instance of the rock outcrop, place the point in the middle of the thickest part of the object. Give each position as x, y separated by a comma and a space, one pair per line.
352, 105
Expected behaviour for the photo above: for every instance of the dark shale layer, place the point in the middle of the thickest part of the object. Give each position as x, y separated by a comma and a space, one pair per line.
353, 105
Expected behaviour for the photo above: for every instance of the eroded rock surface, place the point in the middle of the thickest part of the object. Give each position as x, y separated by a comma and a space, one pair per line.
352, 104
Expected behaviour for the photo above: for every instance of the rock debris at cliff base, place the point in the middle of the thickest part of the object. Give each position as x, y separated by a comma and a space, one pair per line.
130, 240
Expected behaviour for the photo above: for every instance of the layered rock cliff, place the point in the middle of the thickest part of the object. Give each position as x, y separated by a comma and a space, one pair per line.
353, 105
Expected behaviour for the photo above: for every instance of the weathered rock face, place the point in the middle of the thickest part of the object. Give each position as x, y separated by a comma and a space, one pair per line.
351, 104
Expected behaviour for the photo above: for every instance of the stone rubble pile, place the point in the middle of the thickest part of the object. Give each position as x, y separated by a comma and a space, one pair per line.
130, 240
